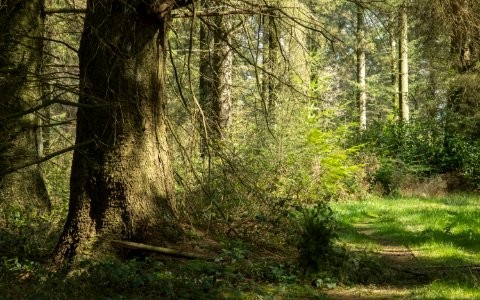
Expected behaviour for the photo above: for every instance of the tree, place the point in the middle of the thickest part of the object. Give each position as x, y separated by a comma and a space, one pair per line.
271, 33
121, 185
216, 62
20, 86
361, 86
403, 65
393, 58
465, 55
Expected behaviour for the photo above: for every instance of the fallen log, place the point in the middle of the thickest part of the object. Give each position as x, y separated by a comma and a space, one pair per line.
162, 250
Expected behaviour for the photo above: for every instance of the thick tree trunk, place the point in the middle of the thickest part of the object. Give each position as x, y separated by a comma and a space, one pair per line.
21, 45
404, 108
361, 69
122, 183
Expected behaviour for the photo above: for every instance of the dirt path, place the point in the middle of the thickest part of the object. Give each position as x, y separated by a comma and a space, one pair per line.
401, 272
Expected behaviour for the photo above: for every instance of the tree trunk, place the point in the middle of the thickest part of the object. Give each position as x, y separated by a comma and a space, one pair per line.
313, 43
393, 61
216, 62
270, 62
273, 49
223, 71
361, 74
121, 185
403, 66
20, 89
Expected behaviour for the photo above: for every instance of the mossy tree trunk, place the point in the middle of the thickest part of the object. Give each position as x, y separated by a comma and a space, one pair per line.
21, 23
122, 183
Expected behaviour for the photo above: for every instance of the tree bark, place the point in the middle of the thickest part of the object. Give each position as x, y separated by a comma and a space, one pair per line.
216, 62
270, 61
361, 69
273, 49
393, 60
404, 109
223, 71
121, 185
313, 43
20, 88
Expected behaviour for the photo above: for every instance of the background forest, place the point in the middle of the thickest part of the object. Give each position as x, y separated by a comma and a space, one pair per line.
278, 149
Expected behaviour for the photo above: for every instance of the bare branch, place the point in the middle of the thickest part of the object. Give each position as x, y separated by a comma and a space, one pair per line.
45, 158
48, 103
65, 11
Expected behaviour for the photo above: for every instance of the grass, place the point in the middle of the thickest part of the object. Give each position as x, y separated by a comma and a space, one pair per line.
442, 233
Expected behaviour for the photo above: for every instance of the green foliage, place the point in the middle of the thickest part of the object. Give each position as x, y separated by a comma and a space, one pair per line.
302, 160
317, 233
29, 233
389, 175
423, 149
152, 278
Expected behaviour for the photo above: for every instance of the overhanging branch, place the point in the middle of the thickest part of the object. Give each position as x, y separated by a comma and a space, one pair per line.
65, 11
45, 158
48, 103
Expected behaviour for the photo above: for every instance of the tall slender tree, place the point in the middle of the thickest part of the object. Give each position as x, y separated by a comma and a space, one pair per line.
361, 68
121, 185
404, 108
216, 62
392, 32
271, 50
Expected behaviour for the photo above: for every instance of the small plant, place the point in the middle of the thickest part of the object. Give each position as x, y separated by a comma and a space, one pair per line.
317, 231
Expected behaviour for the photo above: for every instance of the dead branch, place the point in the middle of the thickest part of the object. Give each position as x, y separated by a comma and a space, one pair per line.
162, 250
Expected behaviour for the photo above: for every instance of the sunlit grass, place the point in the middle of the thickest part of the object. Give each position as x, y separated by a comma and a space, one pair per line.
442, 227
441, 232
449, 290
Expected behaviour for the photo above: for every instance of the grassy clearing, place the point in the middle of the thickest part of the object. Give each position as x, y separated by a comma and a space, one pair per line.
442, 235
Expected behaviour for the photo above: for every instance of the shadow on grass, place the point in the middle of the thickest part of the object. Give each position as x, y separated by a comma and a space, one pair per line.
443, 234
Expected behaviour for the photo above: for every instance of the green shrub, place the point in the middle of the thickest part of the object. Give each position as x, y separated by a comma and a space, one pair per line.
422, 148
317, 230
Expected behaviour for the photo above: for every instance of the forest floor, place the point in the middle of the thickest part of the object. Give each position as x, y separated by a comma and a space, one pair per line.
425, 248
388, 248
